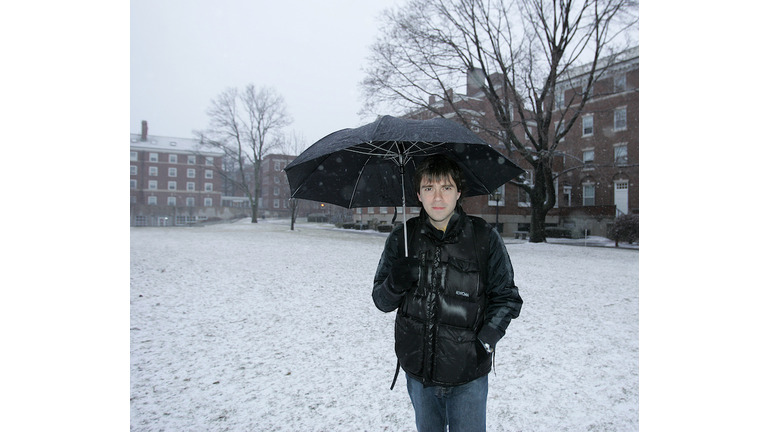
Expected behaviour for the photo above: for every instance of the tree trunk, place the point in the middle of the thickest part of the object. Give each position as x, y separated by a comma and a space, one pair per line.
254, 212
538, 224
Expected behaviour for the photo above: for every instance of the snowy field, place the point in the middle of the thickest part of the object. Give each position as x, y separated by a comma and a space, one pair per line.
253, 327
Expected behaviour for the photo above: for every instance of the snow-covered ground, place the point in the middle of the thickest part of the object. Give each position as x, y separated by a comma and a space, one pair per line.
253, 327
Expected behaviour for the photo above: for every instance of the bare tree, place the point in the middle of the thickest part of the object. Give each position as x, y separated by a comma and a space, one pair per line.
293, 144
245, 126
513, 51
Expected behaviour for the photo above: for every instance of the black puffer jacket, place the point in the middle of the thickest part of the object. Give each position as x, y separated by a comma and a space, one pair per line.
466, 292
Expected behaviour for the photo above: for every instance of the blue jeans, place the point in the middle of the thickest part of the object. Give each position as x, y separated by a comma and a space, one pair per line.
461, 407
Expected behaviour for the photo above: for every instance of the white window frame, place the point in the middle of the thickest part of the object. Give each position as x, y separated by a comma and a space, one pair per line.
134, 170
523, 199
172, 158
501, 202
171, 200
383, 210
209, 187
190, 186
134, 184
152, 185
209, 174
153, 171
619, 83
618, 113
617, 156
276, 203
134, 156
584, 153
190, 173
584, 196
591, 132
190, 160
209, 160
568, 195
152, 200
171, 185
559, 99
171, 172
208, 202
190, 201
153, 157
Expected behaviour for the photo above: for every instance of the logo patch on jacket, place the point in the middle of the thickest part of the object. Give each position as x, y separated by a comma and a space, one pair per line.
462, 293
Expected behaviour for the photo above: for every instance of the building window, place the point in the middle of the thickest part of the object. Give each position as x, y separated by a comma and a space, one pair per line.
209, 187
501, 191
209, 174
589, 194
133, 199
620, 154
619, 83
171, 172
209, 160
134, 170
523, 200
277, 165
152, 184
208, 202
371, 210
190, 186
383, 210
171, 185
153, 157
620, 119
173, 158
567, 195
587, 125
276, 203
153, 171
134, 157
171, 201
588, 157
152, 200
559, 99
141, 220
559, 136
191, 173
133, 184
190, 202
190, 160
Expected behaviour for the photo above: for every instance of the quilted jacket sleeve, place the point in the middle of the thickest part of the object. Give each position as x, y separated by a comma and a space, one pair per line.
504, 301
383, 296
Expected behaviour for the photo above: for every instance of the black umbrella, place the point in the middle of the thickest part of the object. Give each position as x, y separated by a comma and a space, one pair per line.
372, 165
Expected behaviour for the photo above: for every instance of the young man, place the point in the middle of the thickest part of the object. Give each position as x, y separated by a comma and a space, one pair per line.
455, 296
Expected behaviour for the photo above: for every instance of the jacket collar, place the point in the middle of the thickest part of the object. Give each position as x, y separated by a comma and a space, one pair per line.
451, 231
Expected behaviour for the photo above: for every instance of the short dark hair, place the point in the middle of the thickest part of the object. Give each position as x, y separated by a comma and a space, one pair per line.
436, 167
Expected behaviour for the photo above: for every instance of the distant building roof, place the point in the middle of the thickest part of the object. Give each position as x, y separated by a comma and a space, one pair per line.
171, 144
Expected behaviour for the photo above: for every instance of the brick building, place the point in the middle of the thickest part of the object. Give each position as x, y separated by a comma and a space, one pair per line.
173, 181
597, 175
605, 182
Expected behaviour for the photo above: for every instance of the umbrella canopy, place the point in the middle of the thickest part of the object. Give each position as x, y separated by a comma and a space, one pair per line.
372, 165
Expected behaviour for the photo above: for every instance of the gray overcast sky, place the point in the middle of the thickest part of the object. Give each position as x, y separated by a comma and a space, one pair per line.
184, 53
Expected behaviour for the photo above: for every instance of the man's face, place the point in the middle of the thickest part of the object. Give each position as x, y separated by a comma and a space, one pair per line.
439, 197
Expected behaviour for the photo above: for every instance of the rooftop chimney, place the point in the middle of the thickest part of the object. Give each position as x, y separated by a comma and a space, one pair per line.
144, 129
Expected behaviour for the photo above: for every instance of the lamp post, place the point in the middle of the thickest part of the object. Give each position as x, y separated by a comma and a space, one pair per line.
496, 195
